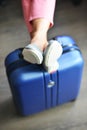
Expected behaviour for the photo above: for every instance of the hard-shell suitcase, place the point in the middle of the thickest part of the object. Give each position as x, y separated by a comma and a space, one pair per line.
34, 89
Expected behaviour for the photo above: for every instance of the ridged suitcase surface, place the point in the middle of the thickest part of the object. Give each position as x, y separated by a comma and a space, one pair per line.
34, 89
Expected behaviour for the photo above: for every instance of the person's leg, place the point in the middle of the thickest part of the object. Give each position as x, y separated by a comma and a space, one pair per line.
39, 33
38, 15
39, 20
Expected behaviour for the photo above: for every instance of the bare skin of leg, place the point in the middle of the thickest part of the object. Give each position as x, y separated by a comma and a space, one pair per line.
39, 34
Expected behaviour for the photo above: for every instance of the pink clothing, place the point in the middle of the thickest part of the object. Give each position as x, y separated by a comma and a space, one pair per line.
34, 9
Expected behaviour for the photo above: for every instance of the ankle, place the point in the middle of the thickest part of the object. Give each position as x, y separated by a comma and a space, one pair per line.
39, 39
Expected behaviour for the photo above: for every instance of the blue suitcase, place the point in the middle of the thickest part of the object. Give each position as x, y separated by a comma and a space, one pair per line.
34, 89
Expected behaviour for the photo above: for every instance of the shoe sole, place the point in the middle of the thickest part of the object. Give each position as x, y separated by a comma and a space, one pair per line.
32, 55
53, 52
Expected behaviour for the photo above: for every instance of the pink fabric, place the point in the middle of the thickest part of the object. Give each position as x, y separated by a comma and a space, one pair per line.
33, 9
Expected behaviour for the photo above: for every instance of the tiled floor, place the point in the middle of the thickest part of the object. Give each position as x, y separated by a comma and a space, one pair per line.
69, 20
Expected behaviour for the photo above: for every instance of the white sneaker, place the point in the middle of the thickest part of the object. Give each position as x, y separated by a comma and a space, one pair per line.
51, 54
32, 54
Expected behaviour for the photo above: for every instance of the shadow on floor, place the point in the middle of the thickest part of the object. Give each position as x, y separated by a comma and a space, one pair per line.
7, 111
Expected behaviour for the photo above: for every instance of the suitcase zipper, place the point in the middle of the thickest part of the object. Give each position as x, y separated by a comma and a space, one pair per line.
70, 47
